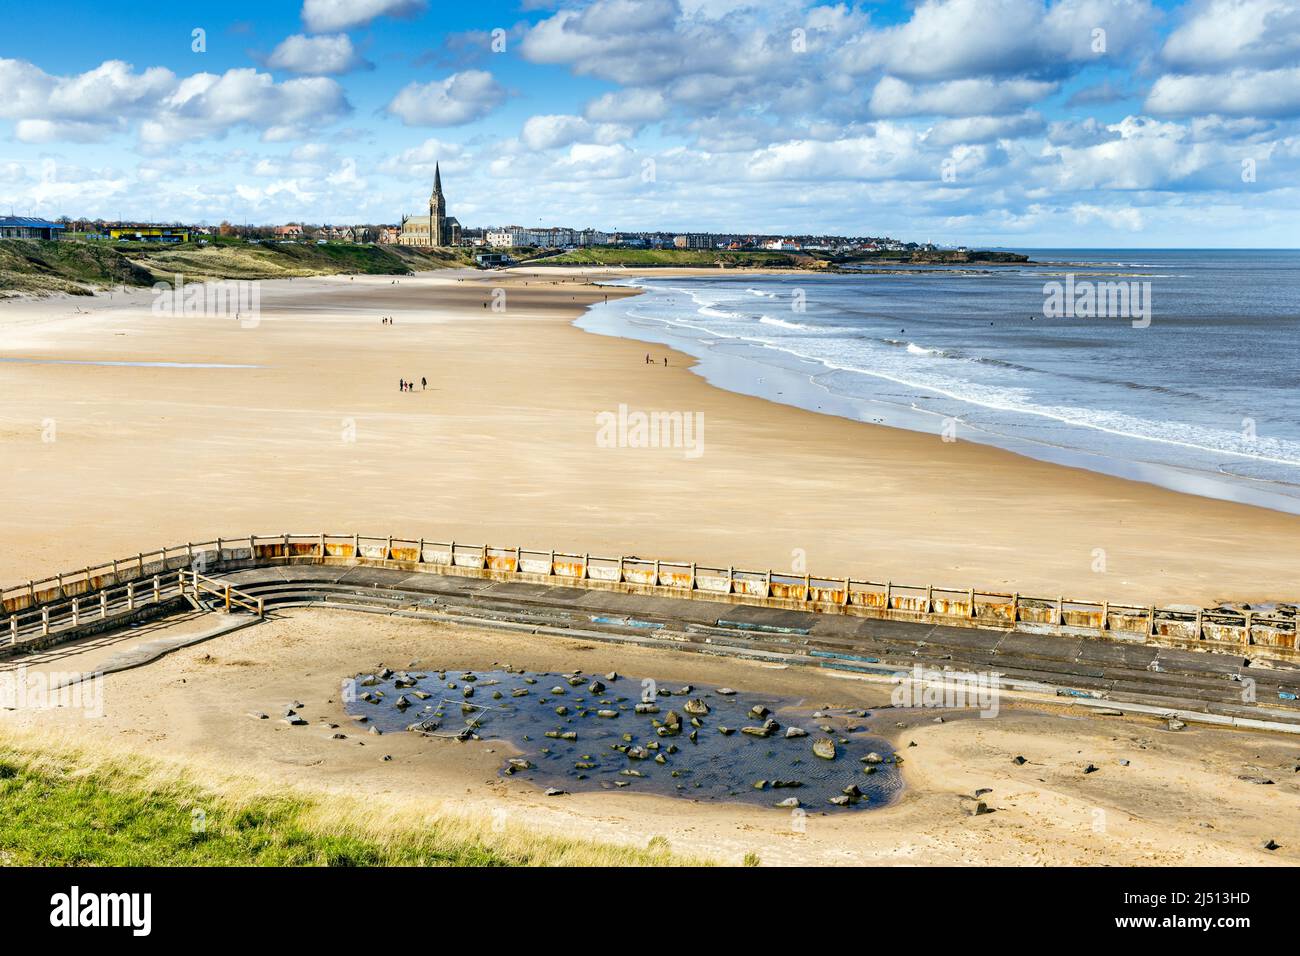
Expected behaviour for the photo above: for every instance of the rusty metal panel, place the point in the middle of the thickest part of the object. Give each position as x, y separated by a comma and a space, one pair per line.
994, 610
1183, 630
536, 565
502, 562
411, 554
788, 592
1081, 617
871, 599
1129, 623
468, 559
376, 552
827, 595
1266, 636
951, 607
675, 579
267, 551
1229, 633
751, 583
1037, 612
569, 568
303, 550
915, 603
333, 550
639, 573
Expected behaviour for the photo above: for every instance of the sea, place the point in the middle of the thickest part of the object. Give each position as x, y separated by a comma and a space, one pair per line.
1188, 377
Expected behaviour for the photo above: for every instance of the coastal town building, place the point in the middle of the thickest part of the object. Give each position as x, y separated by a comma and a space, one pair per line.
24, 227
435, 229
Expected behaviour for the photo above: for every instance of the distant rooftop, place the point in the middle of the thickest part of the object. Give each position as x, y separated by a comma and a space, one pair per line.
27, 222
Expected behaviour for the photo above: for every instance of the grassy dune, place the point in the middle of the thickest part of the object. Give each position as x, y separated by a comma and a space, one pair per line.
79, 268
646, 258
76, 268
72, 808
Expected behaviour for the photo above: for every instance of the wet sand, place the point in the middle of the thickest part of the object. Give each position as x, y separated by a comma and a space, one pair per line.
104, 460
1178, 801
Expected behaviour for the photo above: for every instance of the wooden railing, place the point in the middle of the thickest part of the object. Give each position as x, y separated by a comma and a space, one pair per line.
1266, 634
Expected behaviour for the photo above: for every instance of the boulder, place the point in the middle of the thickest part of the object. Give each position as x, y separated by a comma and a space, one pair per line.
795, 732
789, 803
824, 747
696, 707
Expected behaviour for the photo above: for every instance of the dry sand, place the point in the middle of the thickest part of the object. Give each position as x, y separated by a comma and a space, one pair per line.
502, 447
1179, 800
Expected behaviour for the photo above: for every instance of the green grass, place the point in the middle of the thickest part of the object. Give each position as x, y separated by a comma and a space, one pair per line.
79, 267
34, 265
645, 258
114, 812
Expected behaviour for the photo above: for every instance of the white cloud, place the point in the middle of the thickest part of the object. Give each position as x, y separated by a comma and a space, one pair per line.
1273, 93
950, 39
628, 106
551, 131
328, 55
419, 161
984, 129
460, 98
893, 97
325, 16
84, 107
209, 104
1219, 34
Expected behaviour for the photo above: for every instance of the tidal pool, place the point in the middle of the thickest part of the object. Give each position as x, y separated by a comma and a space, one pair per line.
584, 732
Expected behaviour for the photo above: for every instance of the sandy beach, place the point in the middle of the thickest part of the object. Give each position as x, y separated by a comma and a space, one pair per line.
1179, 799
305, 430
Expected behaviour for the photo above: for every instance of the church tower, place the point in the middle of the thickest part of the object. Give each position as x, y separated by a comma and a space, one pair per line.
437, 212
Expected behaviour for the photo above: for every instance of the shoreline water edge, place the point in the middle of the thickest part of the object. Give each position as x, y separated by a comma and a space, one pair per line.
981, 358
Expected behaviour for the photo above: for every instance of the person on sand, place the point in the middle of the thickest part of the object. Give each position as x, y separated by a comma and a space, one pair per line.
665, 361
424, 383
401, 384
647, 358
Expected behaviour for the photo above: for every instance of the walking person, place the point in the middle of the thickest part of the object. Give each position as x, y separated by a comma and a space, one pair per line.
424, 383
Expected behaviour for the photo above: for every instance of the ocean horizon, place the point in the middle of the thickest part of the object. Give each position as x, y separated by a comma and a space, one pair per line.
1189, 384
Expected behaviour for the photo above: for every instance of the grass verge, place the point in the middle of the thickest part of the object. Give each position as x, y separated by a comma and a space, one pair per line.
71, 808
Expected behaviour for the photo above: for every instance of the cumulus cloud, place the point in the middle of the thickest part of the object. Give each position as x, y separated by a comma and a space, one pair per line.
460, 98
329, 55
210, 104
84, 107
984, 129
949, 39
1269, 93
419, 161
551, 131
1220, 34
894, 97
628, 106
325, 16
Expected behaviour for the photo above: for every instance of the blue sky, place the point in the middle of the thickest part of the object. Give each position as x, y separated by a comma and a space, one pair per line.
990, 122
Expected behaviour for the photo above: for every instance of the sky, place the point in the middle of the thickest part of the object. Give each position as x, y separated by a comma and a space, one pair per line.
1012, 123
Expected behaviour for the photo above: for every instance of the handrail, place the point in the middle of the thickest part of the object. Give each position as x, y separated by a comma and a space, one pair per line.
964, 606
200, 584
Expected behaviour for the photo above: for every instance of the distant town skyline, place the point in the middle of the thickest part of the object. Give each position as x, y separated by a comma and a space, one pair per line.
1018, 123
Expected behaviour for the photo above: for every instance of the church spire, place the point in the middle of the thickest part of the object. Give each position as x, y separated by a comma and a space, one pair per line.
437, 180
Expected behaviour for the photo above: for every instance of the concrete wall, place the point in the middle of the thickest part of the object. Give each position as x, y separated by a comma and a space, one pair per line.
1241, 633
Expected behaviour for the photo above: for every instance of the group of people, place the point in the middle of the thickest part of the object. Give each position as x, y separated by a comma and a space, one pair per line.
405, 386
650, 361
386, 320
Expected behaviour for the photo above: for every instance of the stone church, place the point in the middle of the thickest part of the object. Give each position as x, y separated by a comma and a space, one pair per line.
435, 229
